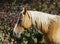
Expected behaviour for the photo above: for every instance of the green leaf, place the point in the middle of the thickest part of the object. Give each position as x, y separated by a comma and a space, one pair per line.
59, 4
35, 39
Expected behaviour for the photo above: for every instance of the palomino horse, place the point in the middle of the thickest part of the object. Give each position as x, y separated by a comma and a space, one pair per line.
48, 24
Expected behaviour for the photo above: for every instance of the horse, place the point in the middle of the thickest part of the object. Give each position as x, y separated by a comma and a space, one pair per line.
48, 24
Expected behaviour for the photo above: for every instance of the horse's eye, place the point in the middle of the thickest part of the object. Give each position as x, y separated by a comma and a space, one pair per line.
20, 14
19, 22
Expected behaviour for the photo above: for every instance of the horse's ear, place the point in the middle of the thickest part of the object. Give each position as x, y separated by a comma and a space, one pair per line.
24, 10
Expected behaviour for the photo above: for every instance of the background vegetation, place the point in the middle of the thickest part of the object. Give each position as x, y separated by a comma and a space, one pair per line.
9, 13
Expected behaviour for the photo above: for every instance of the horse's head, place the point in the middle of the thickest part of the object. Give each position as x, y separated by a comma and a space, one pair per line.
23, 23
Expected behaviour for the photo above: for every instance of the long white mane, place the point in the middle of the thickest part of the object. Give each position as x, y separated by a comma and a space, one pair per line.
41, 17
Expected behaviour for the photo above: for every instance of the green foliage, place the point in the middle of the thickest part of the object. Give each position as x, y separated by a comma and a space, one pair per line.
59, 4
31, 36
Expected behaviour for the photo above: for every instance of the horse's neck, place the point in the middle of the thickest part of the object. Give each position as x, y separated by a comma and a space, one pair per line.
39, 18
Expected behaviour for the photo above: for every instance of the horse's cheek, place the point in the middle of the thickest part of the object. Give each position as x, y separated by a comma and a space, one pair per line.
27, 23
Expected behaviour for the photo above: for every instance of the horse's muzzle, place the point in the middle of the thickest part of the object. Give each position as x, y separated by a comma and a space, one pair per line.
16, 34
